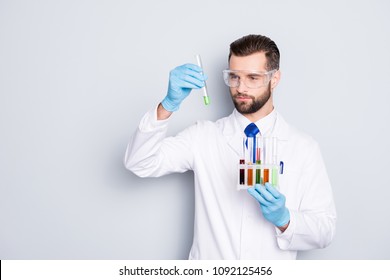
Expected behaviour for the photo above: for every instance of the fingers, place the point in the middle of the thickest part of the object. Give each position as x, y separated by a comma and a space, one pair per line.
188, 76
253, 192
188, 83
272, 190
267, 194
191, 66
264, 193
197, 69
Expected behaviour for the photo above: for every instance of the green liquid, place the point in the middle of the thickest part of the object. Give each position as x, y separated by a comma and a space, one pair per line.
274, 177
206, 100
258, 173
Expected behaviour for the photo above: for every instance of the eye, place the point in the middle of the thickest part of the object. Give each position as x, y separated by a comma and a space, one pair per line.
254, 77
233, 77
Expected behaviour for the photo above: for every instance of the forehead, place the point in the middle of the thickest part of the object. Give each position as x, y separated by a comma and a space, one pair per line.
256, 61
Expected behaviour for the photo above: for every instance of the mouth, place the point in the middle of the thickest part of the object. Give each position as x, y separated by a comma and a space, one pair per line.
240, 97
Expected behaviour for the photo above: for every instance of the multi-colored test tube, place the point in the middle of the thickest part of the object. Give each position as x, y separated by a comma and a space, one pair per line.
258, 160
250, 159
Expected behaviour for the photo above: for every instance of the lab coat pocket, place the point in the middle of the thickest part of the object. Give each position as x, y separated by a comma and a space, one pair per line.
289, 186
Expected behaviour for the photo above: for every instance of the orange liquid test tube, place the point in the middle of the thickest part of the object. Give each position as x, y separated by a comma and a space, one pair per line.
250, 175
266, 176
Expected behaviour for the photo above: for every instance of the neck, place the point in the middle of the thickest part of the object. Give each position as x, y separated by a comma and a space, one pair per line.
264, 111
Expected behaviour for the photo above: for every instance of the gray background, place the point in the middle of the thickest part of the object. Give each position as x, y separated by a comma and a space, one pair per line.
77, 76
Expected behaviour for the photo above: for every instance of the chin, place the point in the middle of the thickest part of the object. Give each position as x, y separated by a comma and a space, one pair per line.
243, 110
242, 107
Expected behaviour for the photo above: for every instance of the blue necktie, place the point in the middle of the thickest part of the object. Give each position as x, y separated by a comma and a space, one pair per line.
251, 131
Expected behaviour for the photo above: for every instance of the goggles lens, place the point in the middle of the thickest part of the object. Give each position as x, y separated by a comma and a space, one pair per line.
251, 79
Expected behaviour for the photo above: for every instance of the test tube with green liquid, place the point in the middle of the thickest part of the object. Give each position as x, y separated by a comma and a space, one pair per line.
206, 98
258, 173
274, 176
274, 172
258, 161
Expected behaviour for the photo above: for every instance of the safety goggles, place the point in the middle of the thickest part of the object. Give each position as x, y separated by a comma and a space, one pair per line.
251, 79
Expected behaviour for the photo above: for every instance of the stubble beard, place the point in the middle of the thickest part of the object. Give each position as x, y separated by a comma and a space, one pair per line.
255, 105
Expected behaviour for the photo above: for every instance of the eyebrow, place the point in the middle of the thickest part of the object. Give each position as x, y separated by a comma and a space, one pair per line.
258, 72
249, 74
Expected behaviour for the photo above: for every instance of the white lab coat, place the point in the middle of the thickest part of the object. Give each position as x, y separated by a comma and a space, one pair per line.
229, 223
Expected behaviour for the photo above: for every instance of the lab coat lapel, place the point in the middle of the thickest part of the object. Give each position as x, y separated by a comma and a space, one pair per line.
281, 129
282, 133
233, 135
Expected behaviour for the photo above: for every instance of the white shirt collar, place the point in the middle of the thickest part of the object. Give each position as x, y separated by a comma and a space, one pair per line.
265, 124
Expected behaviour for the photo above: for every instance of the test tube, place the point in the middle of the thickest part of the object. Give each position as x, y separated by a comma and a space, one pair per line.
266, 175
206, 98
242, 172
267, 157
258, 160
250, 174
250, 160
274, 178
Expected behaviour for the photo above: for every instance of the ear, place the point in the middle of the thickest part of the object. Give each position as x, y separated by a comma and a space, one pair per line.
275, 79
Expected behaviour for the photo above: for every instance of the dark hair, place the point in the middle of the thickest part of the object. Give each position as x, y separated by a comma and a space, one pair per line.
251, 44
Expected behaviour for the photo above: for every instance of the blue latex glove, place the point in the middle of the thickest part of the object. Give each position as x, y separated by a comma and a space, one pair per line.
272, 203
182, 80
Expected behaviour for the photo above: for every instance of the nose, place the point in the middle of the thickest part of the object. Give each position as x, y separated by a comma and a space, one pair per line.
242, 88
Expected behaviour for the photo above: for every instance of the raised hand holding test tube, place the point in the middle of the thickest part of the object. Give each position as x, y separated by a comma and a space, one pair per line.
182, 80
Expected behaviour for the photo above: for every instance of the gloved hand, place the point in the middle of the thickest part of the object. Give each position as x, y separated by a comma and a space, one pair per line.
182, 80
272, 203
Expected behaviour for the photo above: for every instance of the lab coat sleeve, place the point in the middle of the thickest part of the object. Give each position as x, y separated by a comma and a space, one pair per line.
151, 154
312, 225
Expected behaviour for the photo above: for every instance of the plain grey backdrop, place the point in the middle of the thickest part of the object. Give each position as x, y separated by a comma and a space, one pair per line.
76, 76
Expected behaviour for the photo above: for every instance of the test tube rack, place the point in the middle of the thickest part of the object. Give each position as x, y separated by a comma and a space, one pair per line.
259, 162
251, 174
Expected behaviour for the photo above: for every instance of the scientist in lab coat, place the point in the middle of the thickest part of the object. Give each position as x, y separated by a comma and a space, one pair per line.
262, 222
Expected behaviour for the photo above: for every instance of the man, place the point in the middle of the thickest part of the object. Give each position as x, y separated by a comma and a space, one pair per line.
263, 222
